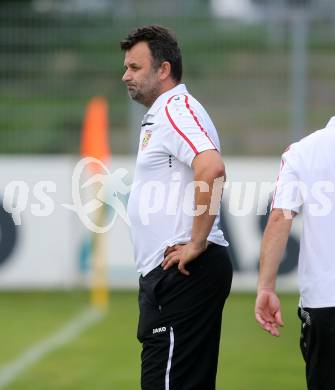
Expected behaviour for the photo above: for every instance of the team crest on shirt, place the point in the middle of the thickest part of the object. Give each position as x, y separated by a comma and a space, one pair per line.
146, 139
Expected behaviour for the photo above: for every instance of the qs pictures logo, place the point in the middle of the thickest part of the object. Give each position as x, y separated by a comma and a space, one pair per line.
108, 189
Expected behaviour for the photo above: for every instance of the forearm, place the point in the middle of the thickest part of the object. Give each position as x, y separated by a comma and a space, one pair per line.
272, 248
207, 205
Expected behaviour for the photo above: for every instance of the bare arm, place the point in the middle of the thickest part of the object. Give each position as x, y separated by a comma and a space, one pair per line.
267, 307
207, 167
209, 172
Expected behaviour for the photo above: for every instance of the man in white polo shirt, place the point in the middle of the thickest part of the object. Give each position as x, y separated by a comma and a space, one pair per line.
180, 250
306, 185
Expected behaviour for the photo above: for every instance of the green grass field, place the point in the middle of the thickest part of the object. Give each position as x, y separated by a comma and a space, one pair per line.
107, 355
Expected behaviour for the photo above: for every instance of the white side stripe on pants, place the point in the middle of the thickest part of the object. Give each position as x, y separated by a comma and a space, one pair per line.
168, 368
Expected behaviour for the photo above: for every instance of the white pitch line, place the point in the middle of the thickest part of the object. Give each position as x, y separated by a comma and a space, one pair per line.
10, 371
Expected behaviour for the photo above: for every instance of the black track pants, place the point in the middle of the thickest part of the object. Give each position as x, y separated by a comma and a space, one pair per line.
180, 322
317, 345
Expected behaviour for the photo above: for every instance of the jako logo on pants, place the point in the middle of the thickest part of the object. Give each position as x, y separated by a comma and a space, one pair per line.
159, 330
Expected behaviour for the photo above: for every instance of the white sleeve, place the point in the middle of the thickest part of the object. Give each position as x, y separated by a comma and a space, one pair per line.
289, 191
187, 136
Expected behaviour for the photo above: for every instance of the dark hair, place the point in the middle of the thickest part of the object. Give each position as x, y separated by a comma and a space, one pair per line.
163, 46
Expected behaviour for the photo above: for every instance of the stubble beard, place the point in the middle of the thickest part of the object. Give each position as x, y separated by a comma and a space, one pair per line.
146, 98
137, 96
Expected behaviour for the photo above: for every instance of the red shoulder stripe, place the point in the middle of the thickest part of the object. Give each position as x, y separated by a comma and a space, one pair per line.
197, 120
179, 131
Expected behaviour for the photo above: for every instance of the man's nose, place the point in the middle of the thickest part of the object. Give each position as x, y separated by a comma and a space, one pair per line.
126, 77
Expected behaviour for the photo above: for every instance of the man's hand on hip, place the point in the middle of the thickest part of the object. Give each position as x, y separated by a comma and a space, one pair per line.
182, 255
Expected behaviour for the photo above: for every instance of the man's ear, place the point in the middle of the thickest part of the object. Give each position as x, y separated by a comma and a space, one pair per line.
165, 70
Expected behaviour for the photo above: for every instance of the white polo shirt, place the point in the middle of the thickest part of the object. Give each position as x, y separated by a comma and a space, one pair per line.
311, 162
174, 130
